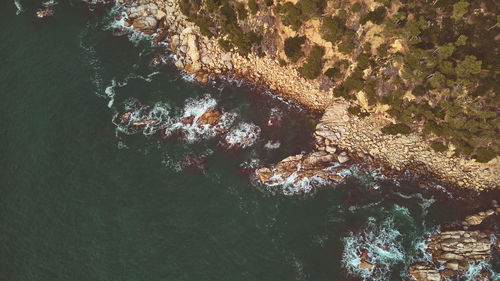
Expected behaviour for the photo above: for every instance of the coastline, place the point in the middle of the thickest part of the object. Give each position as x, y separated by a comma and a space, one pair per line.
358, 138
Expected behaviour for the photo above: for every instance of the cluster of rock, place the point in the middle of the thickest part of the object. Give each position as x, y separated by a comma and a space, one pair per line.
454, 251
201, 56
363, 137
318, 164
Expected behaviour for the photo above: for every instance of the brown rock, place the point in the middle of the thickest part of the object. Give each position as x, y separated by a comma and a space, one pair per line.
210, 117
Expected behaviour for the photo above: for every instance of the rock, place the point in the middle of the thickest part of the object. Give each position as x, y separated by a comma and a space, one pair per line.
478, 218
342, 158
365, 265
424, 272
210, 117
187, 120
145, 24
206, 60
179, 64
453, 265
330, 149
174, 42
160, 15
264, 174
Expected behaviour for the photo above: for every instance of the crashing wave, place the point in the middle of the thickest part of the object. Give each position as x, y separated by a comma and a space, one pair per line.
372, 253
19, 6
242, 136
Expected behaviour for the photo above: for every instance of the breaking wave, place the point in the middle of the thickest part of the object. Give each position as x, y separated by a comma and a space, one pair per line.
375, 251
19, 6
243, 135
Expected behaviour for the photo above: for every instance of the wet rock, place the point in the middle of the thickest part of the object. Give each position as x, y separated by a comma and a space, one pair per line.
314, 165
210, 117
342, 158
424, 272
188, 120
145, 24
478, 218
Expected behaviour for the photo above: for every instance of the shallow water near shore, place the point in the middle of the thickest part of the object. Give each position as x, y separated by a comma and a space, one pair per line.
84, 198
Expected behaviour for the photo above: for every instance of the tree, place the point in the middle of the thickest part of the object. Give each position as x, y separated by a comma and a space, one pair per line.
242, 12
439, 146
470, 65
445, 51
253, 6
484, 155
293, 47
346, 47
332, 29
460, 9
376, 16
462, 39
312, 68
394, 129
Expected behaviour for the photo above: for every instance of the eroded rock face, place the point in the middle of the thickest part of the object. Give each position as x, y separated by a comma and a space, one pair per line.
478, 218
455, 250
424, 272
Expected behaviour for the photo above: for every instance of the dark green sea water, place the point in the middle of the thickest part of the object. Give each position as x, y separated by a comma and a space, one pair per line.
82, 200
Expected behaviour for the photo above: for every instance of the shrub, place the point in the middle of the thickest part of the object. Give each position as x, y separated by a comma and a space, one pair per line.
253, 6
356, 7
363, 61
484, 155
224, 44
204, 25
268, 2
310, 8
212, 5
290, 15
333, 72
185, 7
242, 12
376, 16
293, 47
346, 47
394, 129
332, 29
312, 68
439, 146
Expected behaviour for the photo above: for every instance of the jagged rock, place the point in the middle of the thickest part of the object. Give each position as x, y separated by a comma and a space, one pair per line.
366, 265
145, 24
342, 158
478, 218
460, 245
424, 272
210, 117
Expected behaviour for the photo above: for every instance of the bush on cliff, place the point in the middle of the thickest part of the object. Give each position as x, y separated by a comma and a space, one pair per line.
293, 47
332, 29
242, 12
346, 47
312, 68
394, 129
439, 146
484, 155
253, 6
290, 15
376, 16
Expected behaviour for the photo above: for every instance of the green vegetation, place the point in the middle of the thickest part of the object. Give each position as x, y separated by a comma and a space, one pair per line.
394, 129
435, 64
293, 47
439, 147
312, 67
332, 29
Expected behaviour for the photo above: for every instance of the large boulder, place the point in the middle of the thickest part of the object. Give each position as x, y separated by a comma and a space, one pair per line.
146, 24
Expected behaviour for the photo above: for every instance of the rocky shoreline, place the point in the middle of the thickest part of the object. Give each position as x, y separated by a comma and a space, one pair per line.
340, 136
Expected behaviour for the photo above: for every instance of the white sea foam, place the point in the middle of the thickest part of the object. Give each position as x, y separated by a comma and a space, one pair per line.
383, 246
243, 135
19, 6
423, 202
195, 108
157, 117
272, 145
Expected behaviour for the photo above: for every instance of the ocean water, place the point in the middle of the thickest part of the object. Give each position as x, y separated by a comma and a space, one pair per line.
86, 196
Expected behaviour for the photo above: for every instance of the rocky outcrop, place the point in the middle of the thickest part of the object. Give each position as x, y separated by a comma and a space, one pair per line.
202, 57
296, 168
424, 272
401, 153
452, 254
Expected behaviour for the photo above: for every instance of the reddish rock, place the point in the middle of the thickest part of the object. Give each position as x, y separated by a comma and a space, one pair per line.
211, 117
187, 120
